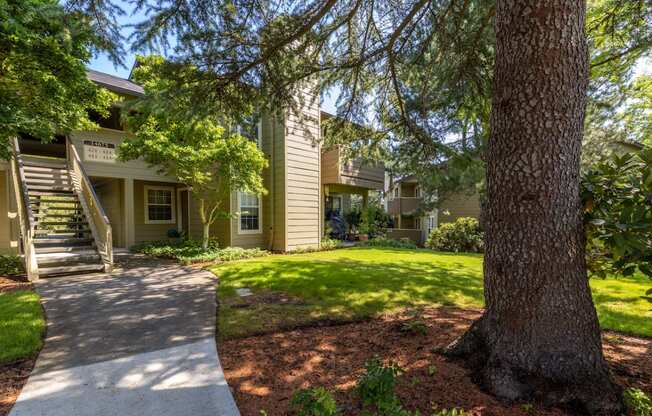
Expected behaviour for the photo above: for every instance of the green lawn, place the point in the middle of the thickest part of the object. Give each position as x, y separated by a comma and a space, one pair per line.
21, 325
361, 282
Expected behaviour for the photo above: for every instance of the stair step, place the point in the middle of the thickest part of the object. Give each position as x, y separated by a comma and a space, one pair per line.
65, 257
53, 199
62, 241
50, 174
44, 210
48, 191
44, 171
48, 181
90, 267
56, 188
67, 215
68, 223
71, 232
43, 162
62, 249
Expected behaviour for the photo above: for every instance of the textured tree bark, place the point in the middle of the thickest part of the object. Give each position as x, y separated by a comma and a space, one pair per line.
539, 336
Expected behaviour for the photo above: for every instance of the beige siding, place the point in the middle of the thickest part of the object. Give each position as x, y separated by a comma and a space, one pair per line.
241, 239
219, 229
278, 180
335, 170
135, 169
303, 160
111, 195
149, 232
459, 205
8, 245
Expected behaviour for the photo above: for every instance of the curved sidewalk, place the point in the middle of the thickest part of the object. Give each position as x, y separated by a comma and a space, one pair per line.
140, 341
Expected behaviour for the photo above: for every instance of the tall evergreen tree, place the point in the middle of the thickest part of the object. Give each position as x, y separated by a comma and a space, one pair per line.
425, 68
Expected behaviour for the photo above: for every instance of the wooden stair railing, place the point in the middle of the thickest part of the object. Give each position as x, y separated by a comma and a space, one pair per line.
25, 214
97, 219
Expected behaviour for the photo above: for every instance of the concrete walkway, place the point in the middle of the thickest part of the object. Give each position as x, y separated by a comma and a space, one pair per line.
140, 341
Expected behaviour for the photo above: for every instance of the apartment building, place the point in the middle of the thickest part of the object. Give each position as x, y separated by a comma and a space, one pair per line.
66, 205
408, 207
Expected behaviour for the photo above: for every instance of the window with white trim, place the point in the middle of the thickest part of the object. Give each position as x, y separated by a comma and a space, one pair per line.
397, 191
250, 213
159, 205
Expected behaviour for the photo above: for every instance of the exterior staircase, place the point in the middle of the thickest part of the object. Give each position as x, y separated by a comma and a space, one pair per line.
62, 236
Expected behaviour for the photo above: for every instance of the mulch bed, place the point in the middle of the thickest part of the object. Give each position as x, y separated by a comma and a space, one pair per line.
264, 371
12, 379
13, 376
10, 284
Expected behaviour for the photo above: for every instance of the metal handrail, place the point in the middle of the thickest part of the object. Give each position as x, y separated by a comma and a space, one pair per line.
98, 220
25, 214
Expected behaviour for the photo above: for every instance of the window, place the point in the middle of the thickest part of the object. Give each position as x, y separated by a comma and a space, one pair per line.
417, 223
397, 191
159, 205
431, 224
250, 213
417, 192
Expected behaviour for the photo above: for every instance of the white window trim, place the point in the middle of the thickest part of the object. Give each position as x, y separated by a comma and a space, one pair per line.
260, 216
172, 200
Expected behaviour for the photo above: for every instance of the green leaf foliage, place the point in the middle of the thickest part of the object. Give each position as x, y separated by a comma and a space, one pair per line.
463, 235
314, 402
44, 90
617, 197
202, 151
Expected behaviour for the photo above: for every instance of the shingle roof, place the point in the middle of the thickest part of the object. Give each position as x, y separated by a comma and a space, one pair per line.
115, 84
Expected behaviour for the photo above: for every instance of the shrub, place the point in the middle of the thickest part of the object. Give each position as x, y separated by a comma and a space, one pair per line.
463, 235
373, 221
329, 244
190, 251
314, 402
11, 265
637, 402
391, 243
617, 197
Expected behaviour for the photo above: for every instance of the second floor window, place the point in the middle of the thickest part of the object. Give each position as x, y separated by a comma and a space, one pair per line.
250, 213
397, 192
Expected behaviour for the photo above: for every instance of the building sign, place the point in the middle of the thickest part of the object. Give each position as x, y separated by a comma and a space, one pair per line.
96, 151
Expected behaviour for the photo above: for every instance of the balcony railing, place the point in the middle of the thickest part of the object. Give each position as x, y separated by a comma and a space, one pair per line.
415, 235
337, 171
403, 206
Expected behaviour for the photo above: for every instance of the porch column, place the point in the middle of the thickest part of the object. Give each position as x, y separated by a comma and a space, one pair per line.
129, 223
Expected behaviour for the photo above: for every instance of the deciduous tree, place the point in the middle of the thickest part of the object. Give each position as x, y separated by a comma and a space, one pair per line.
44, 90
212, 160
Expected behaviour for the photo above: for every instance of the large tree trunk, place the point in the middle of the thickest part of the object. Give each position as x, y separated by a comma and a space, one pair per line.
539, 336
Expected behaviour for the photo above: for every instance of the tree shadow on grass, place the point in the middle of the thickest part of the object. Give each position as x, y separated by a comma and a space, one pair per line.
360, 286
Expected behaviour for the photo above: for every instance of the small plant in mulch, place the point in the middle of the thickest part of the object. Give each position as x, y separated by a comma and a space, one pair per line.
637, 402
414, 325
314, 402
376, 389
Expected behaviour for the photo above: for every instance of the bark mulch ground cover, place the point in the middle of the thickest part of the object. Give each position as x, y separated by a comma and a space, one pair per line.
13, 376
264, 371
10, 284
